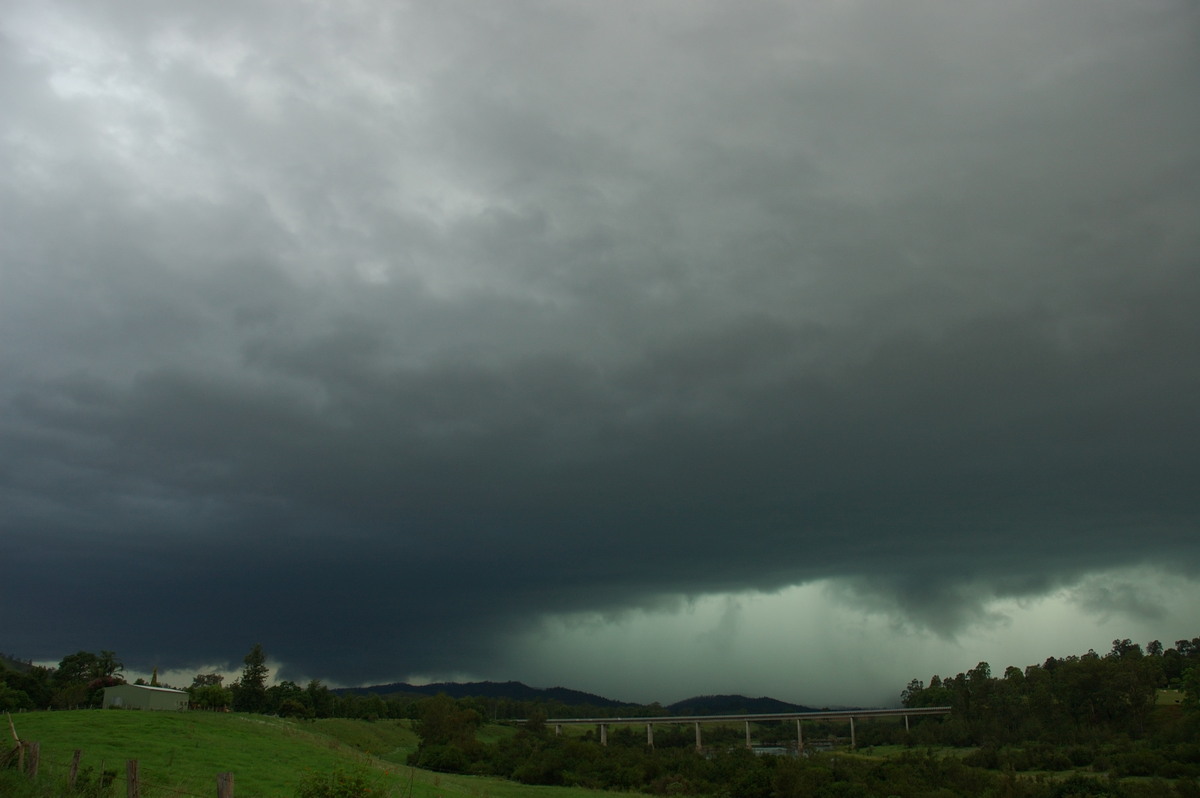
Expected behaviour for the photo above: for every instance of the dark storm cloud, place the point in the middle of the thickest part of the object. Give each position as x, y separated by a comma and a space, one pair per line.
376, 337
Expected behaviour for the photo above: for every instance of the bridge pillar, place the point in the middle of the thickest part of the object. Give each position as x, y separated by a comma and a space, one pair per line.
906, 722
650, 734
799, 738
603, 734
558, 730
699, 747
748, 745
853, 744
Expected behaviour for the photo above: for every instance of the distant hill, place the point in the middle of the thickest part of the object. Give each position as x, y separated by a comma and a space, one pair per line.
516, 691
733, 705
14, 664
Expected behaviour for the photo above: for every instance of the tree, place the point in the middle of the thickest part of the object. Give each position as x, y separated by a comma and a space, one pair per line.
320, 699
443, 721
282, 693
911, 694
207, 692
210, 696
80, 678
75, 669
34, 684
1191, 688
12, 699
1125, 648
107, 664
250, 691
535, 723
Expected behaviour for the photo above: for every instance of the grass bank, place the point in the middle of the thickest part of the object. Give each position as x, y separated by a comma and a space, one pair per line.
182, 753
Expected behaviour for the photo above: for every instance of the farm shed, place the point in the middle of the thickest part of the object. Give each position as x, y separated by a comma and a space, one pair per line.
142, 696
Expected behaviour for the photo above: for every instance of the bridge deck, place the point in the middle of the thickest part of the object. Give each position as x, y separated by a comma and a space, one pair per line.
842, 714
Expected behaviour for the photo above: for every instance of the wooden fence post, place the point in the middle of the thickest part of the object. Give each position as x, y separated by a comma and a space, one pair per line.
132, 787
74, 768
224, 785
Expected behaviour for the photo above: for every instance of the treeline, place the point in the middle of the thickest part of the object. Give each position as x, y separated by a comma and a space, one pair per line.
1096, 720
1076, 699
1093, 719
535, 755
250, 693
79, 680
1130, 712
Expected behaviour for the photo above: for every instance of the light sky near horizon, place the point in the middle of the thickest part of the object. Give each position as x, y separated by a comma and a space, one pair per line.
803, 645
650, 349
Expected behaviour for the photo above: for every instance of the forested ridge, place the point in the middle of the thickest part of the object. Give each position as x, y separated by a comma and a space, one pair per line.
1123, 723
1079, 698
1126, 723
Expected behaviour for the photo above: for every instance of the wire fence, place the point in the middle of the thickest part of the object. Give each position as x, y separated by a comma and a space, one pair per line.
27, 759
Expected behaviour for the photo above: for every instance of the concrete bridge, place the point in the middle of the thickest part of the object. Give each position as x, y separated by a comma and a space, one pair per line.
847, 714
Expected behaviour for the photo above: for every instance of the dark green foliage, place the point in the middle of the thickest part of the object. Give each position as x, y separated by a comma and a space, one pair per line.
250, 691
1033, 732
534, 755
338, 784
1084, 699
319, 699
1086, 711
84, 666
447, 731
207, 692
443, 721
91, 783
80, 679
12, 699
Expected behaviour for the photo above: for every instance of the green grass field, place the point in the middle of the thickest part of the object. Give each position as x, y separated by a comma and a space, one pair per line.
182, 753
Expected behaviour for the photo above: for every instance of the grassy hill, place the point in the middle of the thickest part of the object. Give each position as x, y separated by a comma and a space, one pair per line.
182, 753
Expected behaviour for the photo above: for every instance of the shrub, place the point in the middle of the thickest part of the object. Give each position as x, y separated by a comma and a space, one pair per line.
986, 757
1138, 763
1081, 786
1080, 755
338, 784
444, 758
94, 784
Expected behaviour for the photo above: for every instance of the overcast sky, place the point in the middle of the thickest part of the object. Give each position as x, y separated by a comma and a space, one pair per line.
647, 348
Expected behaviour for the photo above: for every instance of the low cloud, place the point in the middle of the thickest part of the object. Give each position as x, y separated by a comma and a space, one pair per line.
386, 337
1107, 599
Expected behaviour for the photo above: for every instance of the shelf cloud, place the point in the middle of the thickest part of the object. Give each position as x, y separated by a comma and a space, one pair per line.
423, 339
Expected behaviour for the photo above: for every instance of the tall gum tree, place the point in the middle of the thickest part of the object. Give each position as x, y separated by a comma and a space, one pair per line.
250, 691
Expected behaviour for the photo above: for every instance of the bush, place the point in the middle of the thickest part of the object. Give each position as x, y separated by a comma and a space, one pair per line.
1047, 757
443, 758
1187, 788
1081, 786
986, 757
338, 784
1080, 755
94, 784
1138, 763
